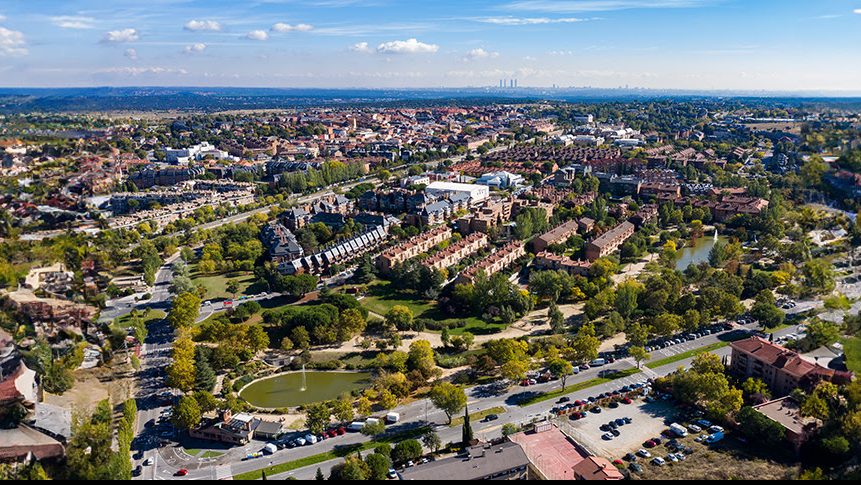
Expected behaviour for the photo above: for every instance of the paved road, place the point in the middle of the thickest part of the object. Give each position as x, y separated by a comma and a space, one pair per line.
422, 412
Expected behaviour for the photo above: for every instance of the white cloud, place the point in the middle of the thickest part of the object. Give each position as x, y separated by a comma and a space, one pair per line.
285, 28
409, 46
361, 47
12, 43
195, 48
568, 6
530, 21
480, 53
257, 35
137, 71
119, 36
857, 10
131, 54
2, 18
74, 22
202, 25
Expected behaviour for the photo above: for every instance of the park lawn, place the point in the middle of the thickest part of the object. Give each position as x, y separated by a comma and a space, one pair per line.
338, 452
381, 298
686, 355
578, 387
216, 285
852, 349
474, 417
150, 316
211, 454
359, 360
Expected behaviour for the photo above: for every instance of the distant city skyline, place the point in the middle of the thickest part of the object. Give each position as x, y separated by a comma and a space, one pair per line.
772, 45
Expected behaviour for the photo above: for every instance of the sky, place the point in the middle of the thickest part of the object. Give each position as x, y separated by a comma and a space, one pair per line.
771, 45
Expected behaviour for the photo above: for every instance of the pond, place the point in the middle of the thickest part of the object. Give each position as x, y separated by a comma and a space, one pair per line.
285, 390
697, 253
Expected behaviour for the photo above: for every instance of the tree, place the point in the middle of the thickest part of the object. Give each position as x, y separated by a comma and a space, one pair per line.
317, 417
561, 369
353, 469
300, 338
584, 346
756, 390
626, 297
379, 466
319, 475
421, 358
556, 318
400, 318
186, 413
432, 441
639, 355
509, 429
514, 370
374, 429
181, 373
757, 427
448, 398
406, 450
467, 435
387, 400
184, 311
363, 406
342, 409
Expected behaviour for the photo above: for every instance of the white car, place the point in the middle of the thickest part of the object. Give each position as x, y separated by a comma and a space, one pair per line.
694, 428
607, 436
672, 458
643, 453
149, 461
658, 461
715, 429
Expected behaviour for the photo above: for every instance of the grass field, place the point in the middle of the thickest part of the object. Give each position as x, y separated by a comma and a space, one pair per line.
336, 453
852, 348
686, 355
150, 316
381, 298
216, 285
474, 417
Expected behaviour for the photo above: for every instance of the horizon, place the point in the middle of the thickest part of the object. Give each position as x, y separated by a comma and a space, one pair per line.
679, 45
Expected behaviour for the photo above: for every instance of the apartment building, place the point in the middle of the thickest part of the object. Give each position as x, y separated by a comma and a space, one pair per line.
555, 262
281, 243
412, 248
557, 235
494, 263
452, 255
486, 217
610, 241
780, 368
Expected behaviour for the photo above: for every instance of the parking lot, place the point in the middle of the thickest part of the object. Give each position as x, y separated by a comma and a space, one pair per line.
647, 422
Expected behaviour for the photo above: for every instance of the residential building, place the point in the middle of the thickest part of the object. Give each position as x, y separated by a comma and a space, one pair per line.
555, 456
234, 430
505, 461
412, 248
557, 235
501, 180
787, 413
281, 243
452, 255
338, 252
549, 261
494, 263
476, 193
783, 370
610, 241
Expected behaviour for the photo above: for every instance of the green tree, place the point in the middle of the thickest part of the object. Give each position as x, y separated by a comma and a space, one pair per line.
406, 450
560, 369
448, 398
466, 435
639, 355
432, 441
186, 413
184, 311
400, 318
317, 417
379, 466
374, 429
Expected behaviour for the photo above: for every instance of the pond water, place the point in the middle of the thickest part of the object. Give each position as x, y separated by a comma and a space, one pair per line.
285, 390
697, 253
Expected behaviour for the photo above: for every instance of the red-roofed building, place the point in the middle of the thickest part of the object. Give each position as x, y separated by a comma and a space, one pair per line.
555, 456
781, 369
596, 468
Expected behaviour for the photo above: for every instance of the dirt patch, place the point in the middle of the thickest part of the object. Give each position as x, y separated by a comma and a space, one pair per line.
92, 386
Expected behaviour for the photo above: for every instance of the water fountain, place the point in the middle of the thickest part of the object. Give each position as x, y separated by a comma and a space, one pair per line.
304, 379
716, 234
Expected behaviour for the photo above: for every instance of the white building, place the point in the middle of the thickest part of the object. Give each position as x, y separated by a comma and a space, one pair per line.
476, 193
415, 180
588, 140
501, 180
196, 152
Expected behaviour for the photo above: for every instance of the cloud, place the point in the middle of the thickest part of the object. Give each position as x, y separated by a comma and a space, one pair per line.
202, 25
74, 22
857, 11
119, 36
195, 48
285, 28
409, 46
12, 43
569, 6
137, 71
131, 54
257, 35
530, 21
480, 53
2, 18
361, 47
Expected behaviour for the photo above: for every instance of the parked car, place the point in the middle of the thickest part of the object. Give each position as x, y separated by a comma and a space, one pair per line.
694, 428
658, 461
630, 457
182, 472
636, 468
607, 436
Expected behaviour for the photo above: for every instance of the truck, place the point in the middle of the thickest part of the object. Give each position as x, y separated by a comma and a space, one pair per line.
372, 421
393, 418
678, 430
715, 437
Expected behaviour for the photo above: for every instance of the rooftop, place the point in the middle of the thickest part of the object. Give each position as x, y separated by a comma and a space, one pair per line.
479, 463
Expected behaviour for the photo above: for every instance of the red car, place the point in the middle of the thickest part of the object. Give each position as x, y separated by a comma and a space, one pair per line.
182, 473
649, 444
342, 431
618, 462
627, 400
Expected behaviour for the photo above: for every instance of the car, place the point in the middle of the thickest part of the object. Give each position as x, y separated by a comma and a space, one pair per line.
636, 468
605, 427
596, 410
658, 461
621, 422
181, 472
630, 457
491, 417
618, 462
649, 444
671, 457
392, 474
149, 424
700, 438
299, 441
563, 399
657, 441
584, 367
613, 405
612, 425
643, 453
704, 423
628, 420
410, 464
694, 428
607, 436
615, 432
715, 429
627, 400
149, 461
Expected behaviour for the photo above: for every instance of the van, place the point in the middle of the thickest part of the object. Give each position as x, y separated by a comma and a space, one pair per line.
678, 430
356, 426
714, 438
270, 448
393, 418
598, 362
372, 421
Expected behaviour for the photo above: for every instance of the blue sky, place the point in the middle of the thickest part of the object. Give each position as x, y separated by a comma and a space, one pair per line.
689, 44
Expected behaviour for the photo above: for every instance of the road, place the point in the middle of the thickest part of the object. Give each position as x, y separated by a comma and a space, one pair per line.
421, 412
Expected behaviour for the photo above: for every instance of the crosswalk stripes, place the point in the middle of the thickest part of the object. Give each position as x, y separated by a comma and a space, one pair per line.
223, 472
